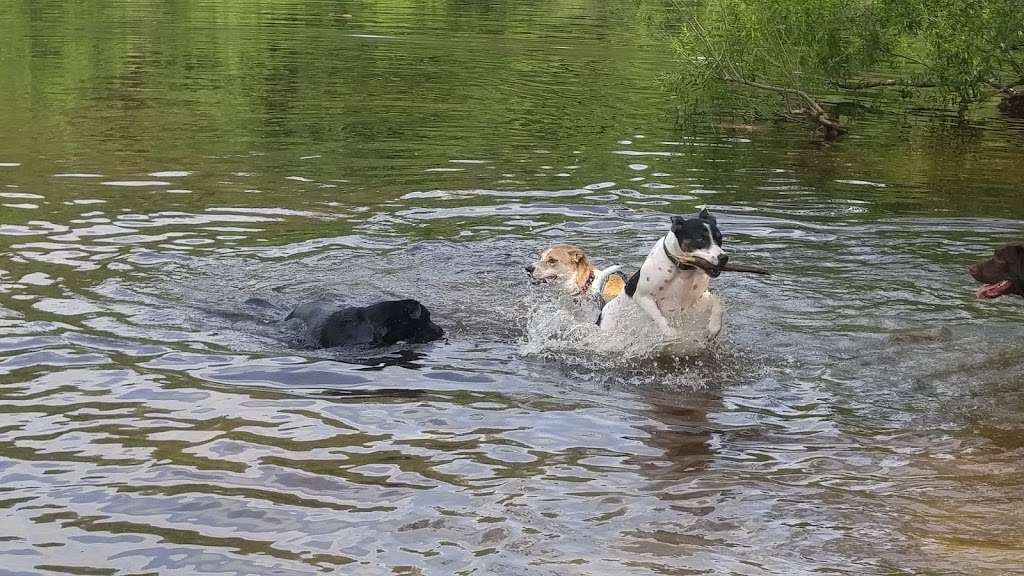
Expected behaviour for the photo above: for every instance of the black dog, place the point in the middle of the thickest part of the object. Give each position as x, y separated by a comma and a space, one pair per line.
380, 324
1001, 274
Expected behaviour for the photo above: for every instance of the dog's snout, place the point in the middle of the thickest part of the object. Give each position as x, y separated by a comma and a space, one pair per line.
723, 259
530, 269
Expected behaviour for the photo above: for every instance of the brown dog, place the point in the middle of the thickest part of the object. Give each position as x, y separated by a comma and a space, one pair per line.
568, 267
1001, 274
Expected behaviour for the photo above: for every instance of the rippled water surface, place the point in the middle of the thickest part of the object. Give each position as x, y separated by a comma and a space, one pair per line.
161, 163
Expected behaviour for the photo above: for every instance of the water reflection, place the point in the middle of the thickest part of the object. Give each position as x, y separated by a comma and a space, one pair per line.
862, 415
683, 435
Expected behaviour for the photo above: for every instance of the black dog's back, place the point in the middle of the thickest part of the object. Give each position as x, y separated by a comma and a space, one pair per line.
350, 327
380, 324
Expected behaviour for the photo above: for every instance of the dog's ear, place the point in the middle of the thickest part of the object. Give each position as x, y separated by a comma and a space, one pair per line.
1014, 256
705, 214
575, 255
677, 221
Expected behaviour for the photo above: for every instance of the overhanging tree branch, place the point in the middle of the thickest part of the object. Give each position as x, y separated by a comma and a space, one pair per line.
956, 53
812, 110
728, 72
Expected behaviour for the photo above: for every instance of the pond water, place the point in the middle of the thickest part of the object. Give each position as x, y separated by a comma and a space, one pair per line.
163, 162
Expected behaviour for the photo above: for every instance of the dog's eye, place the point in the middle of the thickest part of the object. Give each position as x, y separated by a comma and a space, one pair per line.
552, 261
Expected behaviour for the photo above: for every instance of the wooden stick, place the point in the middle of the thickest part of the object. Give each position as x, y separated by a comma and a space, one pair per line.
742, 268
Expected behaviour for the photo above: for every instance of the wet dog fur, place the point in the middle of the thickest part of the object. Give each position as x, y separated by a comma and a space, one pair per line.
381, 324
567, 267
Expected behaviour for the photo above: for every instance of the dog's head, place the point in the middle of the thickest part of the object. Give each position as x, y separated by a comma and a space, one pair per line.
408, 321
698, 242
561, 264
1003, 273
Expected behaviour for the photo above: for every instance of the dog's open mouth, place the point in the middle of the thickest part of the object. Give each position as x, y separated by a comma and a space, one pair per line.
994, 290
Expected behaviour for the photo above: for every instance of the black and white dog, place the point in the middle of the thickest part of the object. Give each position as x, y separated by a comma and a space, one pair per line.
671, 288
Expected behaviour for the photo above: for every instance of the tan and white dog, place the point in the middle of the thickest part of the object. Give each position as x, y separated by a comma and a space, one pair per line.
568, 267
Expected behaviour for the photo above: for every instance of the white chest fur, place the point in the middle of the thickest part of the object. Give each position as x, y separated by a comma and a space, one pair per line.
676, 301
674, 290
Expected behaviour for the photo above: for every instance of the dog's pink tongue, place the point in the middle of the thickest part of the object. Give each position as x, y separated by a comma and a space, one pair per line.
989, 291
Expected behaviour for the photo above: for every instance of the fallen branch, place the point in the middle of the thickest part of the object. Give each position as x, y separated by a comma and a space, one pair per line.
898, 82
728, 72
1007, 89
812, 110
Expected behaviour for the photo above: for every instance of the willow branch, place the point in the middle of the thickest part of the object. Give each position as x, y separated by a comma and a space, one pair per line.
901, 82
813, 110
728, 72
909, 58
1013, 60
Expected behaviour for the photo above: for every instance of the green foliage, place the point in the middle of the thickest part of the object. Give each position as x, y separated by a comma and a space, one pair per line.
957, 51
971, 47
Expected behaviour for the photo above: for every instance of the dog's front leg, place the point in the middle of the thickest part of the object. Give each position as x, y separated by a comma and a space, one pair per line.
715, 321
650, 306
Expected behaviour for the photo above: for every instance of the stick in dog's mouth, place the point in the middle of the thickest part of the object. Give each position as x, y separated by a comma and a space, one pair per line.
715, 271
707, 267
747, 269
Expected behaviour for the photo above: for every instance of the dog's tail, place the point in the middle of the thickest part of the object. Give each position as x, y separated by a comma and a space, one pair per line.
601, 278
